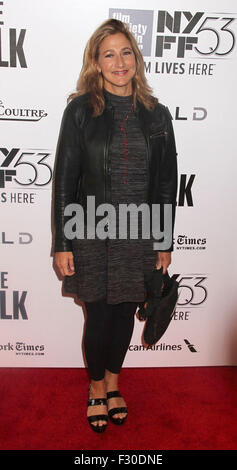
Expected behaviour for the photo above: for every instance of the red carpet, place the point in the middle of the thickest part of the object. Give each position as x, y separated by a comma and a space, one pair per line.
169, 408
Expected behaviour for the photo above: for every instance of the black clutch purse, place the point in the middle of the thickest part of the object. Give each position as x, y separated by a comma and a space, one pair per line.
162, 296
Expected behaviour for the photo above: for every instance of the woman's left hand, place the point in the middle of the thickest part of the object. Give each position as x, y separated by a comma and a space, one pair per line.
163, 259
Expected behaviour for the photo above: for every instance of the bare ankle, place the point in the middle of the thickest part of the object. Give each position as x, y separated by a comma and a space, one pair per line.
111, 380
97, 385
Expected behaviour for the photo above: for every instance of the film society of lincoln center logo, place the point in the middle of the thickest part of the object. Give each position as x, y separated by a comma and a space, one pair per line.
140, 23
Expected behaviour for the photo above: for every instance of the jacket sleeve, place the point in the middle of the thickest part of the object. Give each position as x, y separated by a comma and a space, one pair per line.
66, 174
169, 174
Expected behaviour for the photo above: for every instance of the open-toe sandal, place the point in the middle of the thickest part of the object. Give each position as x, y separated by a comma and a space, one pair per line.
114, 411
102, 417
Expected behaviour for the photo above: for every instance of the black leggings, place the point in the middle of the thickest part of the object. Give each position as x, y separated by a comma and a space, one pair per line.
108, 332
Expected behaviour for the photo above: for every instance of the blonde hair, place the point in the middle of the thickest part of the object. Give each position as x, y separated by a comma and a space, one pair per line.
91, 81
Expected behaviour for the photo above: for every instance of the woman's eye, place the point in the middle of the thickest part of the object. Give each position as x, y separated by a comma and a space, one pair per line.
124, 53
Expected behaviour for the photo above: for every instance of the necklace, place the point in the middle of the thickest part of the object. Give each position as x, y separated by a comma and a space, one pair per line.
125, 142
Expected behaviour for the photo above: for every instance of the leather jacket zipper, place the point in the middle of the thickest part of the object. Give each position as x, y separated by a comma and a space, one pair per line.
159, 134
106, 162
147, 159
145, 132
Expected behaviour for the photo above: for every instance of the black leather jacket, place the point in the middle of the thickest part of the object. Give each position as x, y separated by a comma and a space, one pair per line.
82, 166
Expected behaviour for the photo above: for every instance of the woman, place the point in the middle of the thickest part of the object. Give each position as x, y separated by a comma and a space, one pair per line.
116, 144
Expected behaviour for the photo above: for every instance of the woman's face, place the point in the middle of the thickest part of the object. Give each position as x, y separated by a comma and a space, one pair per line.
117, 64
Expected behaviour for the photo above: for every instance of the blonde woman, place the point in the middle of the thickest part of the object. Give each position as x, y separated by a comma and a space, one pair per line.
116, 144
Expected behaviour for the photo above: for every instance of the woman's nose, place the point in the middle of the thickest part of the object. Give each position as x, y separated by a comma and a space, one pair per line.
119, 60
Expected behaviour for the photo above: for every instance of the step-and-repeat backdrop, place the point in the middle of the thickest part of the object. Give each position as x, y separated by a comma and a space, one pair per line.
189, 51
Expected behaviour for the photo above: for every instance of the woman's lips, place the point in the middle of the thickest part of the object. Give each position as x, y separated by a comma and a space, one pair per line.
120, 73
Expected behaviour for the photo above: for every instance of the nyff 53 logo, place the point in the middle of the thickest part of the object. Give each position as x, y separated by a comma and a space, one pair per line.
204, 33
25, 167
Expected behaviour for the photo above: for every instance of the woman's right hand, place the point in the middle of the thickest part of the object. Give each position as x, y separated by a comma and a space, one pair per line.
65, 262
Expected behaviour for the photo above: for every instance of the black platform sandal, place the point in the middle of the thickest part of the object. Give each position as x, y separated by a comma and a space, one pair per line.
92, 419
114, 411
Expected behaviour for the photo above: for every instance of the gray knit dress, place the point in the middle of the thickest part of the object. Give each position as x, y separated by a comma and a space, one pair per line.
113, 269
